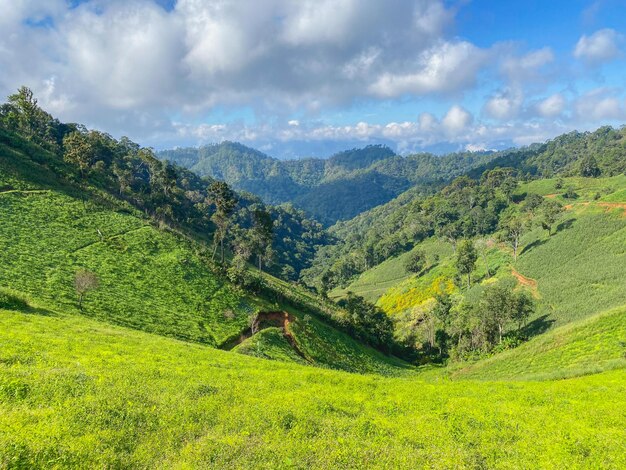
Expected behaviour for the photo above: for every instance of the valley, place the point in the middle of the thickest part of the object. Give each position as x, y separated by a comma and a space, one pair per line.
153, 318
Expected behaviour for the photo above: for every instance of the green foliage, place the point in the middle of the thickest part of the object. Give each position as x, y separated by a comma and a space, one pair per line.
367, 322
337, 188
589, 167
466, 256
415, 262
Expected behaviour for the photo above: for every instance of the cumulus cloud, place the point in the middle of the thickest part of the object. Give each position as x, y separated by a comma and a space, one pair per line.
552, 106
602, 46
527, 66
600, 105
278, 54
446, 67
132, 67
504, 105
456, 120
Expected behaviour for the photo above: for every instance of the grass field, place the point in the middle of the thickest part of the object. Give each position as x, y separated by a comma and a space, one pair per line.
78, 393
582, 269
373, 283
589, 346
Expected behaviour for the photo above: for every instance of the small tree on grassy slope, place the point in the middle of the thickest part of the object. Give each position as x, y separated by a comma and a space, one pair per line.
84, 281
550, 214
513, 228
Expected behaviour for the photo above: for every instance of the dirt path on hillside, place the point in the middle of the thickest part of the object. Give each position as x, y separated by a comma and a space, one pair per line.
526, 281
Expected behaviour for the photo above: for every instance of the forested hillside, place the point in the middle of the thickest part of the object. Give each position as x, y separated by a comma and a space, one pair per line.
395, 227
100, 228
333, 189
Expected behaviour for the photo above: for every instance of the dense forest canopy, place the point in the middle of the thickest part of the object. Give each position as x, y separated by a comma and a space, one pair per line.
329, 190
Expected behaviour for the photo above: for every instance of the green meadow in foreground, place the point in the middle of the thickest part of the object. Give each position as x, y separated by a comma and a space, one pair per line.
78, 393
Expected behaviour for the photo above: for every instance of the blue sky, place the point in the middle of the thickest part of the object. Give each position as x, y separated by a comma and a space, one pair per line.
309, 77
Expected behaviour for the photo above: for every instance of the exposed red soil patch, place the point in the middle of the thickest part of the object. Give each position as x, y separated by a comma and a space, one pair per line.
264, 320
607, 205
613, 205
526, 281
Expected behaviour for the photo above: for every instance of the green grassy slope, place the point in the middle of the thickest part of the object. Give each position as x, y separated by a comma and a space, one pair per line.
269, 343
150, 279
78, 393
588, 346
579, 270
373, 283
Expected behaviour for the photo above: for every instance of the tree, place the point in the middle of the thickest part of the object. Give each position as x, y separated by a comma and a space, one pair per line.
494, 309
522, 307
79, 151
225, 201
262, 234
589, 167
466, 257
532, 203
84, 281
482, 246
507, 187
559, 183
501, 304
513, 228
551, 212
367, 321
416, 262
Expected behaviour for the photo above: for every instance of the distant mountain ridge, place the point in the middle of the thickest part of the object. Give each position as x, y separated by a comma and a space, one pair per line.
333, 189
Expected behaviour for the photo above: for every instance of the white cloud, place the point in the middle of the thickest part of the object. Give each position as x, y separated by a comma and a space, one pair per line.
552, 106
278, 54
504, 105
427, 122
456, 120
528, 66
601, 46
444, 68
600, 105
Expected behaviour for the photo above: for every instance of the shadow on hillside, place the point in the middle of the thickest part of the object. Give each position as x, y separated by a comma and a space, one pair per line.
536, 327
565, 225
426, 270
532, 245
